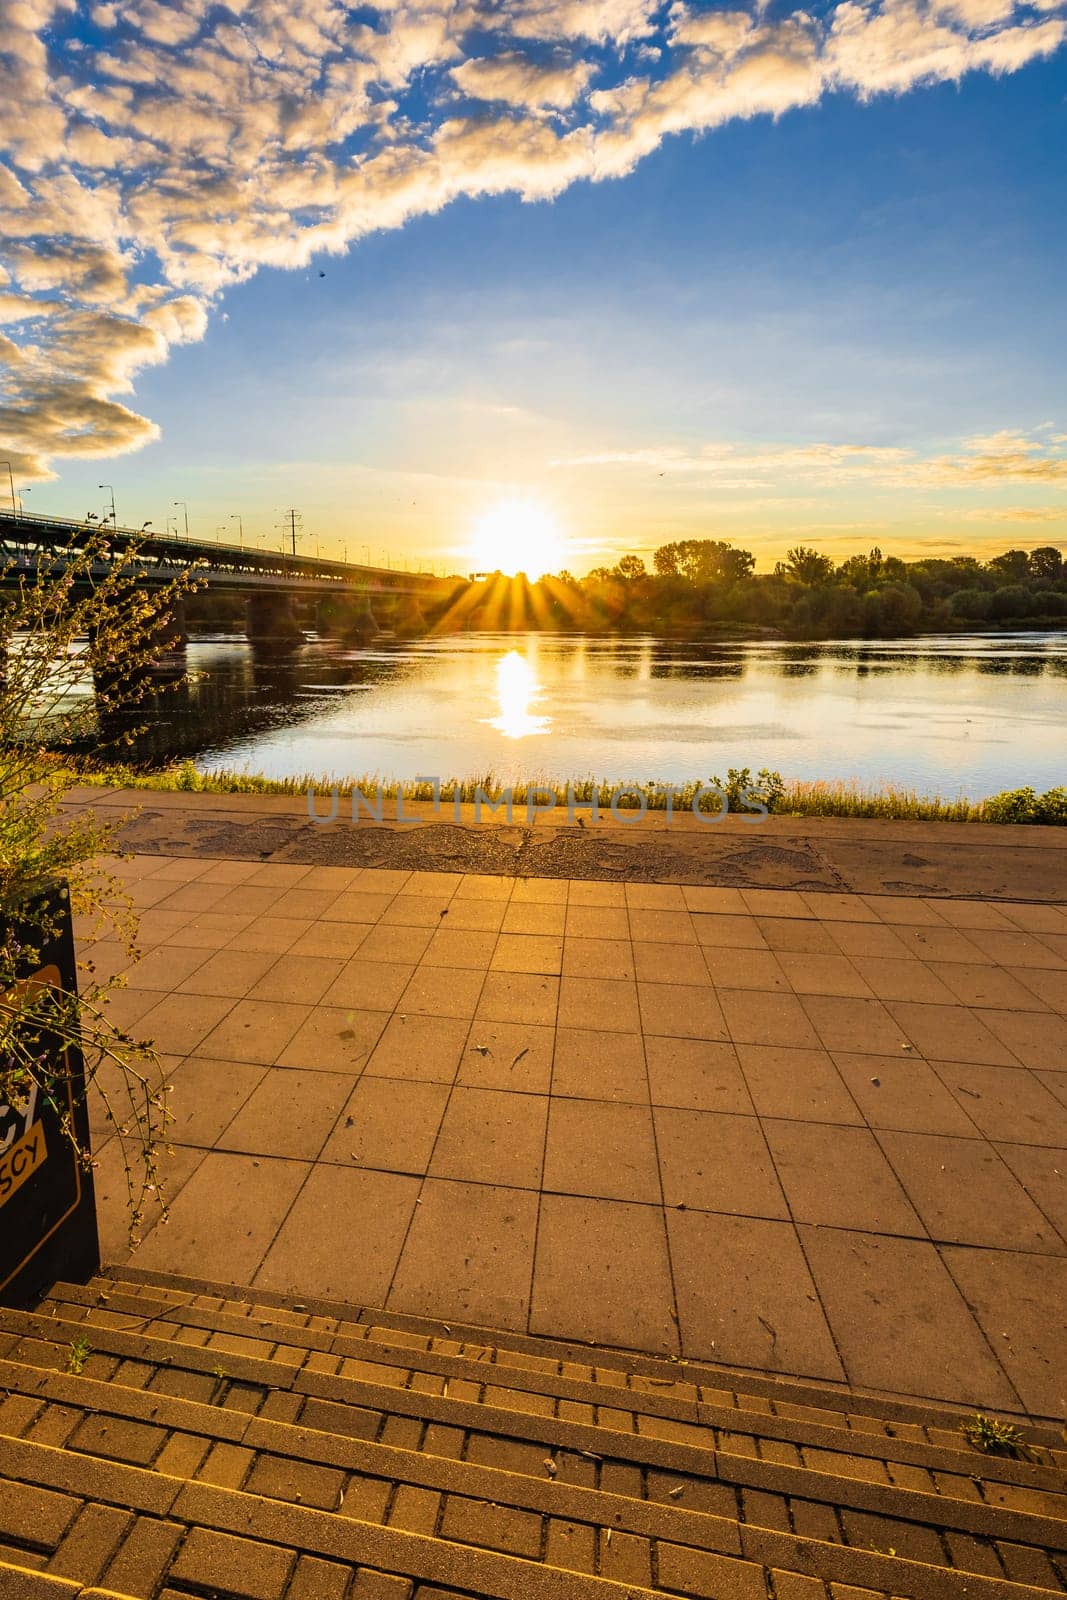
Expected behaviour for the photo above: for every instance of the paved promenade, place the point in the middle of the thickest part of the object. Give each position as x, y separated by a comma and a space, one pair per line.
817, 1132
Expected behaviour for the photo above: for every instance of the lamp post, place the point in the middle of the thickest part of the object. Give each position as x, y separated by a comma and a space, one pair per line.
111, 491
240, 528
366, 551
185, 508
11, 481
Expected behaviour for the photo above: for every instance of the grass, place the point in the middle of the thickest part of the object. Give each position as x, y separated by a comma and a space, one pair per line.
78, 1355
837, 798
993, 1437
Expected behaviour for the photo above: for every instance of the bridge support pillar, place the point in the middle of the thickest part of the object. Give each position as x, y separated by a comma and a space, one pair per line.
347, 616
409, 616
271, 619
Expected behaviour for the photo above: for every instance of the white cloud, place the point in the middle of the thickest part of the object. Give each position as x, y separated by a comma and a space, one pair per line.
197, 143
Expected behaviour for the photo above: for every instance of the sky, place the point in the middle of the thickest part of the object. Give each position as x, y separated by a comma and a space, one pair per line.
619, 271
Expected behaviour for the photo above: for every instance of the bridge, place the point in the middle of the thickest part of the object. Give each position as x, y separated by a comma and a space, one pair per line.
270, 581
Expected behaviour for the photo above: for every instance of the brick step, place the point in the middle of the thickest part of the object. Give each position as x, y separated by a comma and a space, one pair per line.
87, 1516
333, 1424
748, 1389
407, 1360
18, 1582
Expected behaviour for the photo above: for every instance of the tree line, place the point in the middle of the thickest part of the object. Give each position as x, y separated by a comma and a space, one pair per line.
694, 582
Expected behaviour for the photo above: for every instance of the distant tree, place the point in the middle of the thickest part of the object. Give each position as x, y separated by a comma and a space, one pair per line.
1045, 564
862, 571
665, 561
1011, 601
630, 568
1048, 603
972, 604
895, 608
807, 566
1013, 566
704, 561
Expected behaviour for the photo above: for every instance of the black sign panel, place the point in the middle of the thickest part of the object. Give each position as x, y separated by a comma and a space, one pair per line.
47, 1205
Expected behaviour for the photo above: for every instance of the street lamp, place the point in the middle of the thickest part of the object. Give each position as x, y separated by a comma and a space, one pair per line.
240, 527
11, 481
111, 491
366, 549
185, 508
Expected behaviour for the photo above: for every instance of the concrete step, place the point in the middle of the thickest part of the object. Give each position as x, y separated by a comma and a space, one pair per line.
428, 1360
278, 1420
167, 1533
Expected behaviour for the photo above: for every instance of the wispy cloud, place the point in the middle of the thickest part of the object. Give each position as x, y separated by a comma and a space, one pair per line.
155, 154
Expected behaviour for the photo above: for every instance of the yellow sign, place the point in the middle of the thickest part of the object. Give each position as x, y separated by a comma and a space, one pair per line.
20, 1161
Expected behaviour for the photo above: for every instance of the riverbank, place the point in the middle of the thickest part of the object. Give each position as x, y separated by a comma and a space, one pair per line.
796, 799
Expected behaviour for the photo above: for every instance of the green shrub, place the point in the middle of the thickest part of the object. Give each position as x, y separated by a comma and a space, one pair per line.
1026, 805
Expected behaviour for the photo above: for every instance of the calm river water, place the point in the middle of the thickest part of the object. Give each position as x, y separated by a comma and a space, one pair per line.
972, 713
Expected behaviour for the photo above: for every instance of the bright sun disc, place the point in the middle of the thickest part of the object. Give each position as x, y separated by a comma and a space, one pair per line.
517, 536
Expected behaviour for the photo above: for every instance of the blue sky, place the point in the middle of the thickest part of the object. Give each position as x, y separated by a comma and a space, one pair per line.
838, 326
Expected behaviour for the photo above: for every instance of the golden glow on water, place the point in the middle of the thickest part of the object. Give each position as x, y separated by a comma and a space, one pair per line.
517, 688
518, 535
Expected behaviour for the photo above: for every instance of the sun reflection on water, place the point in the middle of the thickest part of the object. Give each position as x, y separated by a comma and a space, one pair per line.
517, 689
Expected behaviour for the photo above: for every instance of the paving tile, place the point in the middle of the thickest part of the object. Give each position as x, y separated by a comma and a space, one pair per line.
443, 992
304, 979
179, 1025
971, 914
745, 969
838, 1177
838, 907
532, 916
609, 1004
1035, 918
1036, 1038
722, 932
775, 903
226, 973
803, 1084
942, 944
1055, 1083
385, 880
591, 1254
163, 967
607, 921
756, 1017
605, 958
902, 1092
276, 934
334, 1039
1006, 1103
1042, 1171
304, 902
368, 985
1010, 949
279, 874
508, 1055
728, 901
666, 927
469, 1255
251, 1030
388, 1125
714, 1161
459, 947
601, 1149
483, 886
907, 979
746, 1297
583, 892
193, 896
1050, 987
156, 926
899, 1320
437, 885
947, 1033
475, 916
1019, 1302
339, 941
824, 974
415, 911
518, 997
335, 878
491, 1136
980, 984
682, 1010
395, 943
225, 1217
797, 935
965, 1194
356, 905
595, 1065
528, 952
343, 1236
538, 892
869, 939
177, 1163
904, 908
419, 1049
206, 1095
289, 1113
847, 1024
696, 1075
654, 896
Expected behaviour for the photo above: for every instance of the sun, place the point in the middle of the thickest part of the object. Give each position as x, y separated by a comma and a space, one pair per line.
518, 535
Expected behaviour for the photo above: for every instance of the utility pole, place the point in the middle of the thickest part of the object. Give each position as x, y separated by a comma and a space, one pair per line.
292, 515
11, 481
